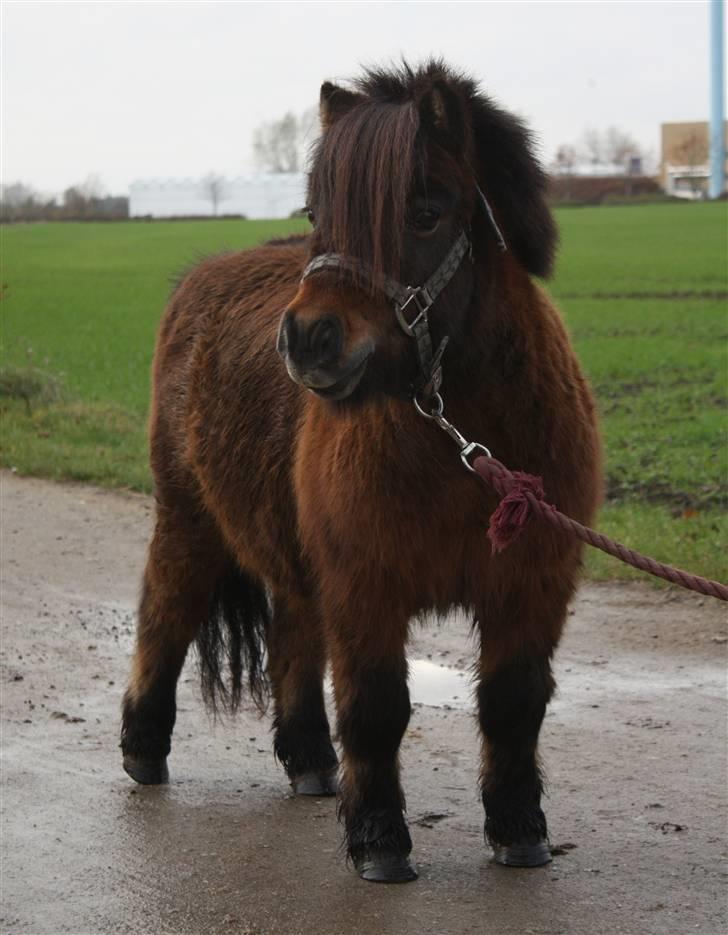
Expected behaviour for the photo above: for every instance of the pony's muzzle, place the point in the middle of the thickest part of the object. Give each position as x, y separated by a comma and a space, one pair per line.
313, 352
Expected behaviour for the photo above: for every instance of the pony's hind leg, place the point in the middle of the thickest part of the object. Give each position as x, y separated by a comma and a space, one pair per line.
184, 563
518, 637
296, 662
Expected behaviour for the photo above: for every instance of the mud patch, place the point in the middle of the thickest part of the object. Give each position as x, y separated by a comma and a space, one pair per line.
653, 490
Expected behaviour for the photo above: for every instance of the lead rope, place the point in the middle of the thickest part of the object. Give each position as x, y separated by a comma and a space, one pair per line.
522, 498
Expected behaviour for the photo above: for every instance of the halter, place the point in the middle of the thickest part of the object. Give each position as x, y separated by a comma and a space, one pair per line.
419, 299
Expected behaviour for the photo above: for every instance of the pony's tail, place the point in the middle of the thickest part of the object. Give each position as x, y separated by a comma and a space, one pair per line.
231, 642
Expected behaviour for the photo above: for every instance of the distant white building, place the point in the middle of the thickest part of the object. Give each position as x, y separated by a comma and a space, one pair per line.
256, 196
599, 169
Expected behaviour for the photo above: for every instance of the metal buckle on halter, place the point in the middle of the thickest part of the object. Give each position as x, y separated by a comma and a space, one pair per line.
422, 302
434, 408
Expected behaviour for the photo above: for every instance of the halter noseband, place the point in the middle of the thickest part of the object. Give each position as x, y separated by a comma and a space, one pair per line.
419, 298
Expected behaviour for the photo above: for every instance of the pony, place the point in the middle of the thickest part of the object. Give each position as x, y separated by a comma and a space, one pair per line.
306, 512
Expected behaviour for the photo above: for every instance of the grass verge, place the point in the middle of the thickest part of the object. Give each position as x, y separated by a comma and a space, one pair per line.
643, 290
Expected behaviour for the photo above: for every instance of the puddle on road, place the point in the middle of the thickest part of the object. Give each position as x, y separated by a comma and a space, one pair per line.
434, 686
438, 686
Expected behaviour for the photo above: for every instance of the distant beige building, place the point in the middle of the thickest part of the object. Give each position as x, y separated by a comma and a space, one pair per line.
685, 164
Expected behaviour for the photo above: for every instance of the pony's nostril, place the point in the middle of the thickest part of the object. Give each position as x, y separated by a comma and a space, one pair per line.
325, 340
309, 346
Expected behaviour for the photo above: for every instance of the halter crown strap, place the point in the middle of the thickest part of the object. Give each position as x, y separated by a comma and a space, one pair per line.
485, 204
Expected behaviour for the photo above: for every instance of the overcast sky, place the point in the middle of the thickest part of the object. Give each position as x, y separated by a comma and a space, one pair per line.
148, 89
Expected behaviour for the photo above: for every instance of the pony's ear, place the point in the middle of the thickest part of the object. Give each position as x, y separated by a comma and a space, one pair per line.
510, 174
335, 101
442, 114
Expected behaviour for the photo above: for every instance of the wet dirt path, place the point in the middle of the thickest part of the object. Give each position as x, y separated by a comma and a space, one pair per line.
634, 747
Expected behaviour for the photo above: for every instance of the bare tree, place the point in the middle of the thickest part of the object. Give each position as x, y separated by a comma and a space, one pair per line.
75, 203
565, 159
620, 149
275, 145
92, 188
215, 190
18, 202
281, 145
611, 147
17, 194
592, 146
80, 200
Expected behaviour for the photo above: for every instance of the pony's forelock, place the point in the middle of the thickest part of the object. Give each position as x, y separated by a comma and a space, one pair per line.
360, 181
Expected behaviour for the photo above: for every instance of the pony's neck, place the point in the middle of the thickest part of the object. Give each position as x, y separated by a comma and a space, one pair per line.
491, 325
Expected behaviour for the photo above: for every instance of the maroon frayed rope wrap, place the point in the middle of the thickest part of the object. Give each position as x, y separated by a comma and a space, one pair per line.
522, 497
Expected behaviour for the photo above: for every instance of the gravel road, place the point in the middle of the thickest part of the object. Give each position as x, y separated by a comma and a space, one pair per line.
634, 747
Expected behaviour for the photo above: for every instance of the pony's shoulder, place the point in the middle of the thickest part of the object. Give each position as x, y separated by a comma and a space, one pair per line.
278, 261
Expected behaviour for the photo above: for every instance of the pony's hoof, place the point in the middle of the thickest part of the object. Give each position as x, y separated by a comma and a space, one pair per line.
522, 855
316, 784
386, 868
147, 772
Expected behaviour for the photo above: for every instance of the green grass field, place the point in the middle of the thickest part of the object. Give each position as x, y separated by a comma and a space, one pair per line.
643, 290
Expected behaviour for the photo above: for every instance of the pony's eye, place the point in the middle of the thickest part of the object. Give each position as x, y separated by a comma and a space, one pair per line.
311, 217
426, 221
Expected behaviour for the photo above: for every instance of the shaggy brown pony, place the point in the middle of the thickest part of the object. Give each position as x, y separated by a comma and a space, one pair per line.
307, 512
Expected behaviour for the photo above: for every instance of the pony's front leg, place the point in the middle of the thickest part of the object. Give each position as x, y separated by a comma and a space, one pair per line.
512, 701
370, 684
518, 636
296, 663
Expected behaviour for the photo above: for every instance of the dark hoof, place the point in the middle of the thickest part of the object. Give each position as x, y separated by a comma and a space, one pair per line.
522, 855
147, 772
316, 784
386, 868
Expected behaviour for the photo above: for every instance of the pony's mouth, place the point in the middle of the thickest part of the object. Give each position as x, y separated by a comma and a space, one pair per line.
343, 387
335, 383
